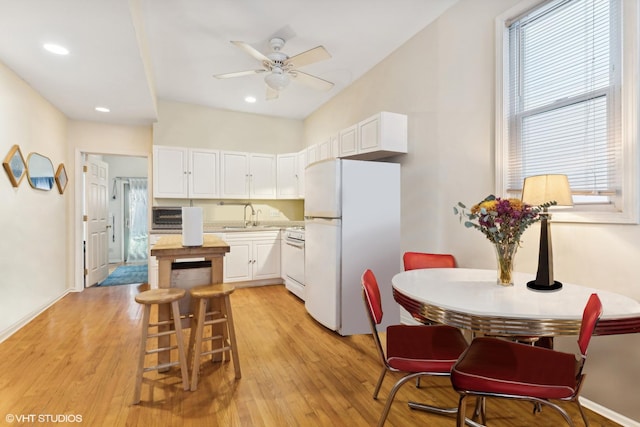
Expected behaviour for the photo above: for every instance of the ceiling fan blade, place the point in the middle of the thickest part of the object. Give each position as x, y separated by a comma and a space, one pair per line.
318, 53
238, 74
251, 51
271, 94
312, 81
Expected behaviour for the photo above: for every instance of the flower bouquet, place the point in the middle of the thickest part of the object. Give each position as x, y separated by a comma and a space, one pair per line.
502, 221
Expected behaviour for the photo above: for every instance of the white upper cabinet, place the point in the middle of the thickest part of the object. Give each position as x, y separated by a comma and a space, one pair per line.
234, 175
204, 173
334, 142
381, 135
248, 175
291, 175
287, 181
324, 150
348, 141
313, 154
384, 134
301, 165
262, 176
185, 173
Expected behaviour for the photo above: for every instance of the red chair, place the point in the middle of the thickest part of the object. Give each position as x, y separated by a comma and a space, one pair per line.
493, 367
414, 350
417, 260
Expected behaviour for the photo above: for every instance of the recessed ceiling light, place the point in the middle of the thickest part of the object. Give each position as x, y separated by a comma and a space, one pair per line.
55, 48
250, 99
103, 109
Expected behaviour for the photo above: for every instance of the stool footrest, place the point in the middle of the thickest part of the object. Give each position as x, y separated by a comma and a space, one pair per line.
212, 338
160, 350
160, 334
215, 321
162, 323
217, 350
161, 366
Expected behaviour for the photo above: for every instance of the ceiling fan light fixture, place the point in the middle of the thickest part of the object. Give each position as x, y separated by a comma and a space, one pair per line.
277, 80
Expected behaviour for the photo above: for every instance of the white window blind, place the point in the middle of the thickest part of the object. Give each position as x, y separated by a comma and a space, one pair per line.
564, 102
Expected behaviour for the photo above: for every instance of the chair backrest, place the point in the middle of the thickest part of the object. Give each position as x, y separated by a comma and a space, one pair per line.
371, 293
418, 260
373, 304
590, 317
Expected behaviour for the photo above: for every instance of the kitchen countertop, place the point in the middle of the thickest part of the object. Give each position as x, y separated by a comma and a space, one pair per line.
229, 227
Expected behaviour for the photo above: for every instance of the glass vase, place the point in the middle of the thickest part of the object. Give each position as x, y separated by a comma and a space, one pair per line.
505, 254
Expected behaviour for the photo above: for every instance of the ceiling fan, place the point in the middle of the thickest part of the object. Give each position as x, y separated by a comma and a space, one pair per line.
281, 68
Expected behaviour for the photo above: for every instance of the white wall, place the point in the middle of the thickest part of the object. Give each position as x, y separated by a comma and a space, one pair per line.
187, 125
444, 80
34, 231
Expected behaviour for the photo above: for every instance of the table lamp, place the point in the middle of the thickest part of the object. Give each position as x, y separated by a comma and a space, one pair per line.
537, 190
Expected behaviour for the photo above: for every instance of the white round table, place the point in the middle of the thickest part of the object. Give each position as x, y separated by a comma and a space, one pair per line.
471, 299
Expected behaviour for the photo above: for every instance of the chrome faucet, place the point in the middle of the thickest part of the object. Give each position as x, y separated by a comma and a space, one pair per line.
253, 212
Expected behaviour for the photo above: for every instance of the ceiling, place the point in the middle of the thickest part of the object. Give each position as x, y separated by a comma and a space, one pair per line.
126, 54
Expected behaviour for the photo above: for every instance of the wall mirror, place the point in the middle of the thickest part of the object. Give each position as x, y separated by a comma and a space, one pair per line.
40, 172
61, 178
15, 165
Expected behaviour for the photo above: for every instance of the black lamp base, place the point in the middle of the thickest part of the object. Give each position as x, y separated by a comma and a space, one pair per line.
537, 287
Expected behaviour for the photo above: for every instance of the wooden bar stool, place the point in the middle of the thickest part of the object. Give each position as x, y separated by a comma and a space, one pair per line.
212, 308
165, 329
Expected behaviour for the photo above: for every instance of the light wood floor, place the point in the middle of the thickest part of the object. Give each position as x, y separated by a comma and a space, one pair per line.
79, 358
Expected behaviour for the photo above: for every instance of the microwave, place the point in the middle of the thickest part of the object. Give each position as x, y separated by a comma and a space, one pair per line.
167, 217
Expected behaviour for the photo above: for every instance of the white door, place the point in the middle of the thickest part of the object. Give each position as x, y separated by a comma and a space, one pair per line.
97, 213
322, 268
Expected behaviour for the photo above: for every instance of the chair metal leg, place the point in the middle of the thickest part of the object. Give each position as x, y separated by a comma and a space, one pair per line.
462, 407
391, 396
377, 389
584, 416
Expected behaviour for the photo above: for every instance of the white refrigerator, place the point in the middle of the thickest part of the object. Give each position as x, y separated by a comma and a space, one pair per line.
352, 223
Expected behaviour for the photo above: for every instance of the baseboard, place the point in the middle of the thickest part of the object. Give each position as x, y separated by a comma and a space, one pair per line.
254, 283
29, 317
608, 413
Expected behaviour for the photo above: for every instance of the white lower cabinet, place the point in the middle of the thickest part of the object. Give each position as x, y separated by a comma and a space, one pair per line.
252, 256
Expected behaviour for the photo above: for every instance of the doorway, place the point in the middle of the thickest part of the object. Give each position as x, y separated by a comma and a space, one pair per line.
125, 219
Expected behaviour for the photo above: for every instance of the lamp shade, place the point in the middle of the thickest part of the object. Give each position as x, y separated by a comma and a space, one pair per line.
277, 79
539, 189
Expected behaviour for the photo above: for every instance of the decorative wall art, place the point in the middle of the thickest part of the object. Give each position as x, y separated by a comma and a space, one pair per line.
61, 178
15, 166
40, 172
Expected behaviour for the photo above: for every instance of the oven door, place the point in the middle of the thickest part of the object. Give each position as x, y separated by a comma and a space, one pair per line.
293, 265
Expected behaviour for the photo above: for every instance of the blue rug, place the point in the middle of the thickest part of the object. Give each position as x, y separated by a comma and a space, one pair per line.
126, 275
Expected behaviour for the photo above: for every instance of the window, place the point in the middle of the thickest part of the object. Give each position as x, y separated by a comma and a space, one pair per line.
566, 106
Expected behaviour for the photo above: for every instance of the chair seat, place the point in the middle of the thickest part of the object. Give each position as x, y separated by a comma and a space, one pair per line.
515, 369
433, 348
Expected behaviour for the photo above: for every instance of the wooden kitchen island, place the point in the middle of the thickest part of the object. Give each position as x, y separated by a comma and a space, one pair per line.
167, 250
